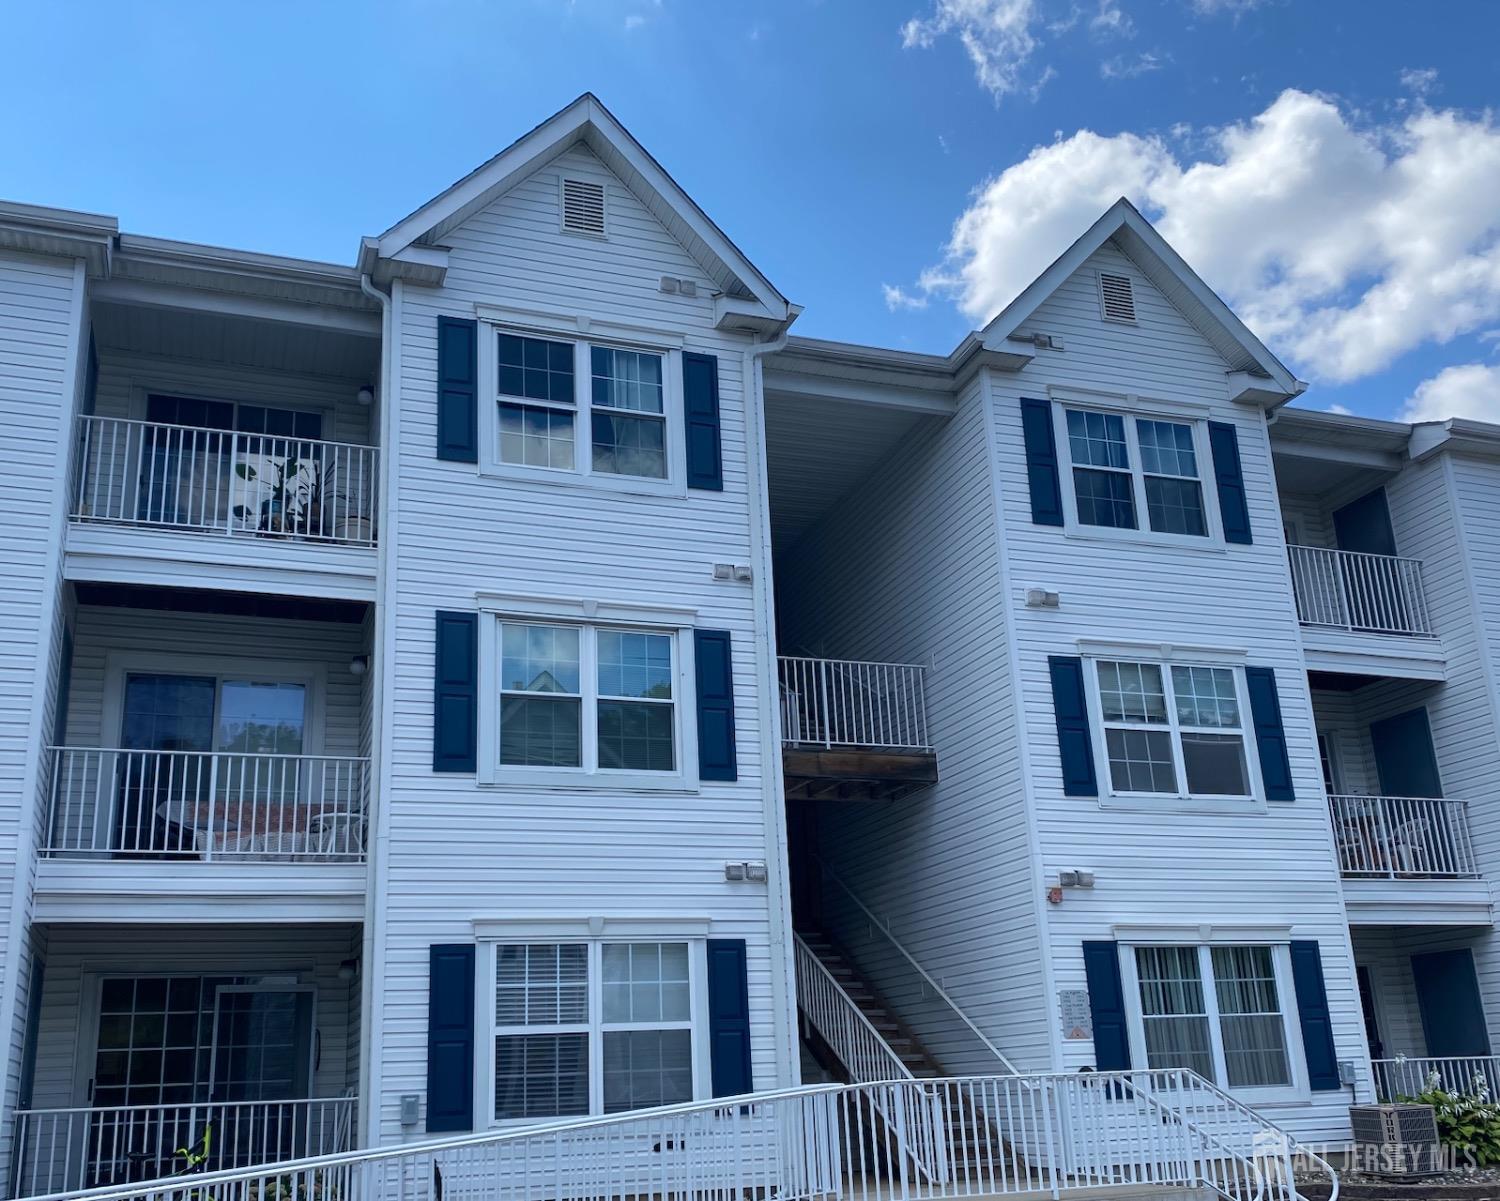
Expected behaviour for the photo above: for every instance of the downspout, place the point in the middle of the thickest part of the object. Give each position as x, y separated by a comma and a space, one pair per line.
778, 896
378, 840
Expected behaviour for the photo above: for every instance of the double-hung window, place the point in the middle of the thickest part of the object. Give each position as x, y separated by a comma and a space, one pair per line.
565, 405
590, 1027
1132, 473
576, 699
1173, 729
1216, 1010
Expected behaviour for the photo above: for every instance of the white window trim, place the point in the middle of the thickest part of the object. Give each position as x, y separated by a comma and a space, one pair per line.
1149, 409
1183, 799
583, 334
1286, 997
586, 617
484, 1066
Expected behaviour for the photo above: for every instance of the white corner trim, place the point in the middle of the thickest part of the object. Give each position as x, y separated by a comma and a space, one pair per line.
1167, 652
521, 926
1194, 934
675, 617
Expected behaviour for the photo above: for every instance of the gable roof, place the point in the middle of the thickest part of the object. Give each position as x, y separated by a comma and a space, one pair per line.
1256, 374
586, 120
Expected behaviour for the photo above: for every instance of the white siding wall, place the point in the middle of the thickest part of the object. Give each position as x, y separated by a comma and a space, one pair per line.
459, 851
906, 569
41, 342
77, 956
1266, 867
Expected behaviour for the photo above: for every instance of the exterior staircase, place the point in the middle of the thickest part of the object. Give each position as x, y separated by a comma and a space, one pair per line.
902, 1044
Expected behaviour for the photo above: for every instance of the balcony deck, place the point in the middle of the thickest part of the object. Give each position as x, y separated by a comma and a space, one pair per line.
853, 730
158, 503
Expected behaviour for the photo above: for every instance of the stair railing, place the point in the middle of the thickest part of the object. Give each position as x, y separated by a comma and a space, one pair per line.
930, 985
841, 1023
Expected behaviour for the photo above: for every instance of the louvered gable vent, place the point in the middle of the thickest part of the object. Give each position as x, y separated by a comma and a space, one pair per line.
1117, 297
583, 207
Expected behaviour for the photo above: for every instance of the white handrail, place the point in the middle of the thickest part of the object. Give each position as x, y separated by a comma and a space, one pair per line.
78, 1147
998, 1136
936, 989
1407, 1076
841, 1023
221, 481
1403, 838
1381, 594
851, 703
206, 804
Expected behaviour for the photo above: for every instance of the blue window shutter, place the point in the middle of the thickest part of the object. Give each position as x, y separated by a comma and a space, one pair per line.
714, 671
1074, 742
1270, 736
1041, 462
458, 390
1312, 1013
700, 403
1224, 444
455, 699
1101, 968
728, 1017
450, 1037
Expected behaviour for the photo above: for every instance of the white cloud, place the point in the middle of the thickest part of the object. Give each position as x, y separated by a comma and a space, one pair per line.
997, 34
1213, 8
1127, 67
1419, 80
1341, 410
634, 21
1466, 390
1343, 246
1111, 21
899, 298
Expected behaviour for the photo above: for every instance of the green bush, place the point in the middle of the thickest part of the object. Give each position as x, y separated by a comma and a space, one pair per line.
1468, 1123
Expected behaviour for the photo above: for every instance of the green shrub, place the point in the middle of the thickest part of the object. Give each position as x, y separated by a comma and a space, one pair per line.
1468, 1123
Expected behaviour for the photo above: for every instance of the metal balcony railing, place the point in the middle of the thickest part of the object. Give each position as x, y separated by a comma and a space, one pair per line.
206, 805
1399, 838
1379, 594
81, 1148
849, 703
219, 481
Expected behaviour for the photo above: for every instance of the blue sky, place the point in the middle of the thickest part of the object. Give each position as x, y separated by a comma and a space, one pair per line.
1329, 166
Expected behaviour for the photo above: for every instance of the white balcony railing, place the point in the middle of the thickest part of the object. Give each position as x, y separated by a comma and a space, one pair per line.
206, 805
69, 1149
848, 703
1402, 837
1403, 1077
920, 1140
1380, 594
219, 481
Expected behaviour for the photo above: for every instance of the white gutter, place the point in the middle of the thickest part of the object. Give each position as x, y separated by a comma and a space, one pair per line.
778, 894
377, 840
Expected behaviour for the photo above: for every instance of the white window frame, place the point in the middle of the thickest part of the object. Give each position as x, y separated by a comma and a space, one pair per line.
1281, 959
697, 945
1194, 802
583, 335
1129, 409
676, 624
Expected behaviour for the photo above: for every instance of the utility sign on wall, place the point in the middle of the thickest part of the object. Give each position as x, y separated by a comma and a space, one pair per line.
1077, 1021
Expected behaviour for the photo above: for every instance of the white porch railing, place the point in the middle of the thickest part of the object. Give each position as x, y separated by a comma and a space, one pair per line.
70, 1149
1403, 1077
206, 805
1381, 594
1010, 1136
184, 478
849, 703
1402, 837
